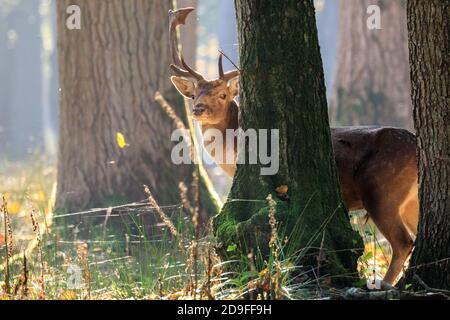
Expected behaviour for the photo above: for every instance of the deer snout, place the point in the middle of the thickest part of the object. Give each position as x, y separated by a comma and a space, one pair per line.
199, 109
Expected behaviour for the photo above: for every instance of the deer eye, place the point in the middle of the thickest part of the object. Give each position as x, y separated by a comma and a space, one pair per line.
223, 96
192, 97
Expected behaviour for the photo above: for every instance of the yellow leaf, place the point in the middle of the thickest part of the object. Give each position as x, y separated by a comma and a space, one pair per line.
282, 189
68, 295
153, 296
175, 295
263, 273
14, 207
121, 140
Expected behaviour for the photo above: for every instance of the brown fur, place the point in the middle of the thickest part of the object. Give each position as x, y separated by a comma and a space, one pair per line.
378, 172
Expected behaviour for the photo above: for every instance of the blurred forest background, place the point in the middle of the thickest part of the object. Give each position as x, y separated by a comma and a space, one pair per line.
29, 76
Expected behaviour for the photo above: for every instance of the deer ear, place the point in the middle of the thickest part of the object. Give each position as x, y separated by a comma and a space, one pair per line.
185, 87
234, 87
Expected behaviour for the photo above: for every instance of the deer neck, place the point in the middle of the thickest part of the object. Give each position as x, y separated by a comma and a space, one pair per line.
230, 122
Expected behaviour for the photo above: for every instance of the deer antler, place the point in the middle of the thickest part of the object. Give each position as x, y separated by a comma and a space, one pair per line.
175, 19
179, 66
230, 74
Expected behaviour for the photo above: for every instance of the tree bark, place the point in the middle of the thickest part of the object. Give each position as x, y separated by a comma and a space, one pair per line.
429, 44
282, 87
109, 73
372, 85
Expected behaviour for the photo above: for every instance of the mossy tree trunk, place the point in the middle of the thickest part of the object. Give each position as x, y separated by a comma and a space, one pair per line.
429, 43
109, 73
282, 87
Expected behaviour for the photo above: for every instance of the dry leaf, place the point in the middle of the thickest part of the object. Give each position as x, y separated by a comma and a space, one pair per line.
282, 189
68, 295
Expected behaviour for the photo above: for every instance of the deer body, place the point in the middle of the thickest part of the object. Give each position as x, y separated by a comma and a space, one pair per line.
378, 172
377, 166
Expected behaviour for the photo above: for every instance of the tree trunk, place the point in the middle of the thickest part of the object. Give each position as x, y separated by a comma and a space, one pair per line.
282, 87
109, 73
429, 44
328, 27
372, 85
49, 76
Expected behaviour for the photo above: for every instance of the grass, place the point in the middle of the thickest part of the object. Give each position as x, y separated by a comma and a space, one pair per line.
143, 252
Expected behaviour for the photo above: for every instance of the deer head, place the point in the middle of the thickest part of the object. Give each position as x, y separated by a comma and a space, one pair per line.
212, 98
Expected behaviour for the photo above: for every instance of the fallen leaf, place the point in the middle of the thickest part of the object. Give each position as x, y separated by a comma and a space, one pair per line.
282, 189
68, 295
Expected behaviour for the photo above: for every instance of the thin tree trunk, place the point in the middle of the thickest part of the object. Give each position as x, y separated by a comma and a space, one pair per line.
372, 85
328, 26
109, 73
429, 43
282, 87
227, 32
49, 85
21, 126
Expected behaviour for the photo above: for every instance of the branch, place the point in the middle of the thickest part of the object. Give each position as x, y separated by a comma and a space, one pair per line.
359, 294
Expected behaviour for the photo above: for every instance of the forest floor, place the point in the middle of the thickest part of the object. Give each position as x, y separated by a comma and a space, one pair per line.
136, 251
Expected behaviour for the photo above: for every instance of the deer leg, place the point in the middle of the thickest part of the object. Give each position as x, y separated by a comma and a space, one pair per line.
392, 227
410, 215
409, 209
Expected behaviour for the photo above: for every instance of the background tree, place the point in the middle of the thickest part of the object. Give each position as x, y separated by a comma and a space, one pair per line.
28, 81
429, 44
227, 32
109, 73
282, 87
327, 15
372, 84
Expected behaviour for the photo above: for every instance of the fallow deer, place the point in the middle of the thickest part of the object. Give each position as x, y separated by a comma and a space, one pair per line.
376, 165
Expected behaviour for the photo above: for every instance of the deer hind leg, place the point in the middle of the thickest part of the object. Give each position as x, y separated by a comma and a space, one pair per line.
391, 225
409, 210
